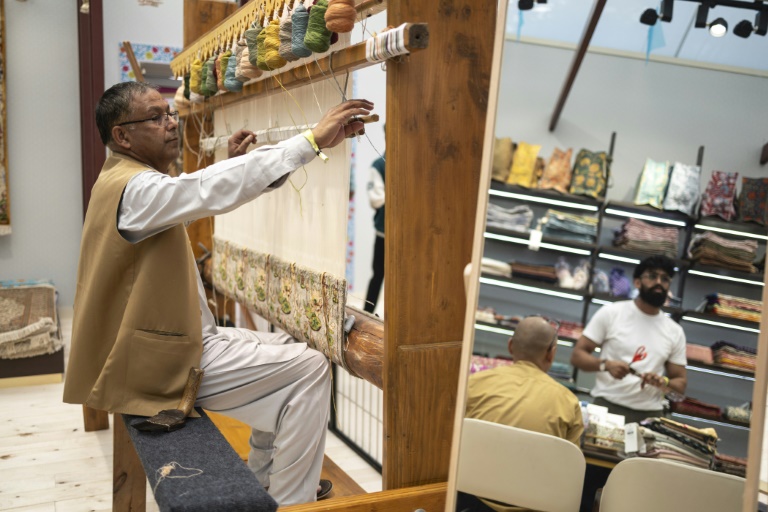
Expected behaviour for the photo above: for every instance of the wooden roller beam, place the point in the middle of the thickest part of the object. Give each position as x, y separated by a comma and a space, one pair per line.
349, 59
365, 347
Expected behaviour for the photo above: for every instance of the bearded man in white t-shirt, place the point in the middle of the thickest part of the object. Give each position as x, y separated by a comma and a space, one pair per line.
635, 329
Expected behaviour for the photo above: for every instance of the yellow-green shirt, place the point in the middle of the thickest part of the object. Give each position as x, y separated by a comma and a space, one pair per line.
523, 396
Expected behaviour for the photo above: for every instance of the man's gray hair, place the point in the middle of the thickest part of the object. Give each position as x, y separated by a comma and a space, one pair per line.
115, 105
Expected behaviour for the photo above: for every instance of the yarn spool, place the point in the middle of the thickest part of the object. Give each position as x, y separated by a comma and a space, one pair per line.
210, 79
231, 83
318, 37
260, 51
300, 19
240, 47
196, 98
251, 39
186, 86
222, 61
286, 29
195, 76
272, 56
248, 70
340, 16
204, 80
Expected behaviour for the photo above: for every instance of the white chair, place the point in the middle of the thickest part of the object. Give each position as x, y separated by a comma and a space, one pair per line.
644, 485
520, 467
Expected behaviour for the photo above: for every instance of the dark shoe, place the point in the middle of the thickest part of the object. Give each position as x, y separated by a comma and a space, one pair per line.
325, 489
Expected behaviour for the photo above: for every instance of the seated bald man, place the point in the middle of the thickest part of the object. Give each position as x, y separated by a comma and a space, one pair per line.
523, 395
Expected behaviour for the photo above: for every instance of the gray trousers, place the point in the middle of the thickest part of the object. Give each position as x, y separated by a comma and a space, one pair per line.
287, 406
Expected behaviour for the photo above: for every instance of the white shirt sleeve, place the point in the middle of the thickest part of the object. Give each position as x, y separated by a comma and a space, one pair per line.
375, 189
597, 328
153, 202
678, 355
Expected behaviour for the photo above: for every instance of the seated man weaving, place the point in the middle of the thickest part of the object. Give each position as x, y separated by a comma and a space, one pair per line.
140, 316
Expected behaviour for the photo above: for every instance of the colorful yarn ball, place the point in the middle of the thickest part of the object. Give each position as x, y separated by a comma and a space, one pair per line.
272, 56
286, 29
300, 19
318, 37
195, 76
340, 16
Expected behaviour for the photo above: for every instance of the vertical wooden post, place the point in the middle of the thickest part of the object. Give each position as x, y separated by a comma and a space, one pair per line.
199, 17
436, 108
129, 482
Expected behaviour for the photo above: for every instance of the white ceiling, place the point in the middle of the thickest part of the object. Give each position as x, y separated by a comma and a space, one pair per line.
620, 29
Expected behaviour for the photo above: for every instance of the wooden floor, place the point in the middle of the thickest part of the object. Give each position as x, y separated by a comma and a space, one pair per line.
49, 464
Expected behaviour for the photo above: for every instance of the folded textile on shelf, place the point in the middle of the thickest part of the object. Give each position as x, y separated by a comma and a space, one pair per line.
569, 226
638, 236
711, 249
543, 273
719, 198
487, 315
730, 465
738, 414
516, 219
495, 267
734, 307
736, 357
699, 353
29, 324
695, 407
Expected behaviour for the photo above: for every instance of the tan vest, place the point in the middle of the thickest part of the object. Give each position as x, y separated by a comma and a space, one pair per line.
136, 329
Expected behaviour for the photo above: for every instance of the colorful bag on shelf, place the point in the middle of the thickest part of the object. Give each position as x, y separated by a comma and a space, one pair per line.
720, 195
503, 151
752, 200
590, 174
557, 172
684, 189
621, 286
653, 183
523, 171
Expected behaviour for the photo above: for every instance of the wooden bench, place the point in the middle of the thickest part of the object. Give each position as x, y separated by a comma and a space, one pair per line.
191, 469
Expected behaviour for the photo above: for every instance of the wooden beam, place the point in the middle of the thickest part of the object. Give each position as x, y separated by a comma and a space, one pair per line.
129, 482
586, 37
429, 498
90, 34
137, 72
342, 61
437, 102
201, 16
365, 350
757, 420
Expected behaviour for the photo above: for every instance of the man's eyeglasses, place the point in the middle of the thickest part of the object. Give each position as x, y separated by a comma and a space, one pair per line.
159, 119
653, 276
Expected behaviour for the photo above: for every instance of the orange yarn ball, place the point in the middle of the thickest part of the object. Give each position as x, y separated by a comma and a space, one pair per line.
341, 16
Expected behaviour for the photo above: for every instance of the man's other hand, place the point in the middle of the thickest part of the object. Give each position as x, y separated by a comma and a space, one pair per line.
239, 142
338, 123
617, 369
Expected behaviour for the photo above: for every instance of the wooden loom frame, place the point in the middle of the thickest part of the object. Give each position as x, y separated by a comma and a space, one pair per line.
436, 108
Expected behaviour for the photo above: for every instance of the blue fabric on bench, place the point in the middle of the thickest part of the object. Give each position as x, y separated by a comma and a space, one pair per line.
225, 483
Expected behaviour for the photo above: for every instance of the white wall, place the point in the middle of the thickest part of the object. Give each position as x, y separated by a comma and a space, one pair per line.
371, 84
43, 133
658, 111
126, 20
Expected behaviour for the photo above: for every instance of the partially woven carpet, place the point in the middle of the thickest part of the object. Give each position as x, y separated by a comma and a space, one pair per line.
28, 323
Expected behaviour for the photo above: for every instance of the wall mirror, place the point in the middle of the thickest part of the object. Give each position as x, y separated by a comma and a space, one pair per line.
638, 108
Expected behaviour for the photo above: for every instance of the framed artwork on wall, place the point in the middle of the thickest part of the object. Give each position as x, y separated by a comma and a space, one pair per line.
5, 216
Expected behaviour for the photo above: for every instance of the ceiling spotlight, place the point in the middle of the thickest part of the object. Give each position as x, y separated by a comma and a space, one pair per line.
701, 15
743, 29
718, 28
525, 5
761, 23
666, 10
648, 17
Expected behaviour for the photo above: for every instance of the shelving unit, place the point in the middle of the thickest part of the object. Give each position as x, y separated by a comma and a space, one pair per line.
709, 383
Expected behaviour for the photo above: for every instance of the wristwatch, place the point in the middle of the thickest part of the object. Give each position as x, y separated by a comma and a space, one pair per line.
602, 365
